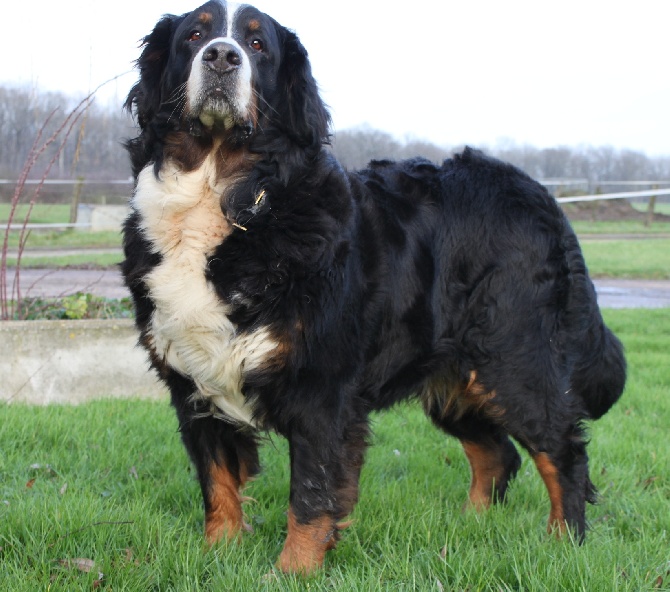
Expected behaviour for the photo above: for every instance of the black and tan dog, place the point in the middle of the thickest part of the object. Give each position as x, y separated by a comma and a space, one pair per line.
276, 291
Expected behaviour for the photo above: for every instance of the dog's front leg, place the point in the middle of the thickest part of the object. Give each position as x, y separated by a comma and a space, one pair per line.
314, 508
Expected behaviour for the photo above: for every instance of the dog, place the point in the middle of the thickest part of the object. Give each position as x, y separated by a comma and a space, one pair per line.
276, 291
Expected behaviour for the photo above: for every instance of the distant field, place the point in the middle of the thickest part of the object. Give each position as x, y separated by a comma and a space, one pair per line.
84, 260
659, 208
41, 213
634, 259
64, 239
644, 259
68, 239
54, 213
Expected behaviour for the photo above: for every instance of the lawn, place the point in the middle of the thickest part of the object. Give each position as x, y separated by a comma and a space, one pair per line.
635, 259
41, 213
659, 208
67, 239
46, 261
102, 496
638, 259
50, 238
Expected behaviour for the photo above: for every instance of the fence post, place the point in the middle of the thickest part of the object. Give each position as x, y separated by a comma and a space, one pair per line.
74, 204
651, 205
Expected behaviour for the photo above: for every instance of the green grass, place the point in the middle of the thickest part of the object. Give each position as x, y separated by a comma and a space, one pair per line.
63, 239
659, 208
641, 259
84, 259
620, 259
110, 482
54, 213
40, 214
67, 239
637, 259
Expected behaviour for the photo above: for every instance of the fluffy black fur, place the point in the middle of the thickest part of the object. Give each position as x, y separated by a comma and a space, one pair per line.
462, 285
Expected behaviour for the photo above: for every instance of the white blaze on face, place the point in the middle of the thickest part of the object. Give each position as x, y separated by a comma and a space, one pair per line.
235, 84
231, 12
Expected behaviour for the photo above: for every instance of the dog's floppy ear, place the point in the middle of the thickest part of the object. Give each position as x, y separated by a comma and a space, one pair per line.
145, 96
302, 112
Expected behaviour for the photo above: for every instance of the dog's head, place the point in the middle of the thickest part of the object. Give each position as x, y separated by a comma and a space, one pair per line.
228, 73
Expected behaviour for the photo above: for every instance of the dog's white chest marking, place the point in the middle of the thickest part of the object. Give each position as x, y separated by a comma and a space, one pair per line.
190, 329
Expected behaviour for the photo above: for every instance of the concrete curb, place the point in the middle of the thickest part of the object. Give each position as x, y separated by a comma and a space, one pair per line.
45, 362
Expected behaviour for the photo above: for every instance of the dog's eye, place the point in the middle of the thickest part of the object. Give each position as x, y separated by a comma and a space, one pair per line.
256, 44
195, 36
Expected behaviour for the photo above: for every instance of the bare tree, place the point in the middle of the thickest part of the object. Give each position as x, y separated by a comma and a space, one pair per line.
354, 148
23, 112
99, 153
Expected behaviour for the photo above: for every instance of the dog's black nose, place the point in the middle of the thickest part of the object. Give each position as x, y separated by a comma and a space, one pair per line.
222, 56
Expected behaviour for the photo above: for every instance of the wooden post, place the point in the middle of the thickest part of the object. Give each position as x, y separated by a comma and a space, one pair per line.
650, 208
74, 204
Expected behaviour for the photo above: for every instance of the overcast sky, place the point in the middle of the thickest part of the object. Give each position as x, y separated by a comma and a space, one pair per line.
537, 72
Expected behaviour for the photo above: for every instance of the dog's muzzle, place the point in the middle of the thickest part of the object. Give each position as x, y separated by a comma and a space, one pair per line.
219, 87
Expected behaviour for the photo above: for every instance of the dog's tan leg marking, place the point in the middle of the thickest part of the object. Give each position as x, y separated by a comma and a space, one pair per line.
487, 469
549, 474
224, 518
306, 544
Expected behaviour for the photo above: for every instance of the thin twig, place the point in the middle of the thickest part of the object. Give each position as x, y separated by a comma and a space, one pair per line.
12, 211
34, 153
16, 291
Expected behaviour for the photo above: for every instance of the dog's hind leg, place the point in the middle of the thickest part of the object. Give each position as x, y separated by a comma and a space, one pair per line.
546, 418
222, 481
564, 471
493, 458
225, 458
493, 464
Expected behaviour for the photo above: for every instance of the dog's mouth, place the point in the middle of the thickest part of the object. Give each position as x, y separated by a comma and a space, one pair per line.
216, 110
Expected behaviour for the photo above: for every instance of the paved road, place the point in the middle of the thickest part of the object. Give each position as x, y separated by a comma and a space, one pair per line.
52, 283
633, 293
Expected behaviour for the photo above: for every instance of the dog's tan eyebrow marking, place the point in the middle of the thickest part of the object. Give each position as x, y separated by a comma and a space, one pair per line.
254, 25
205, 17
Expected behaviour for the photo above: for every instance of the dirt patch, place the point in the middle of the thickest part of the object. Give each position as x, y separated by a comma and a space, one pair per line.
607, 210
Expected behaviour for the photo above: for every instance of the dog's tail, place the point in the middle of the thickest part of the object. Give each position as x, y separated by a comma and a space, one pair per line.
601, 376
